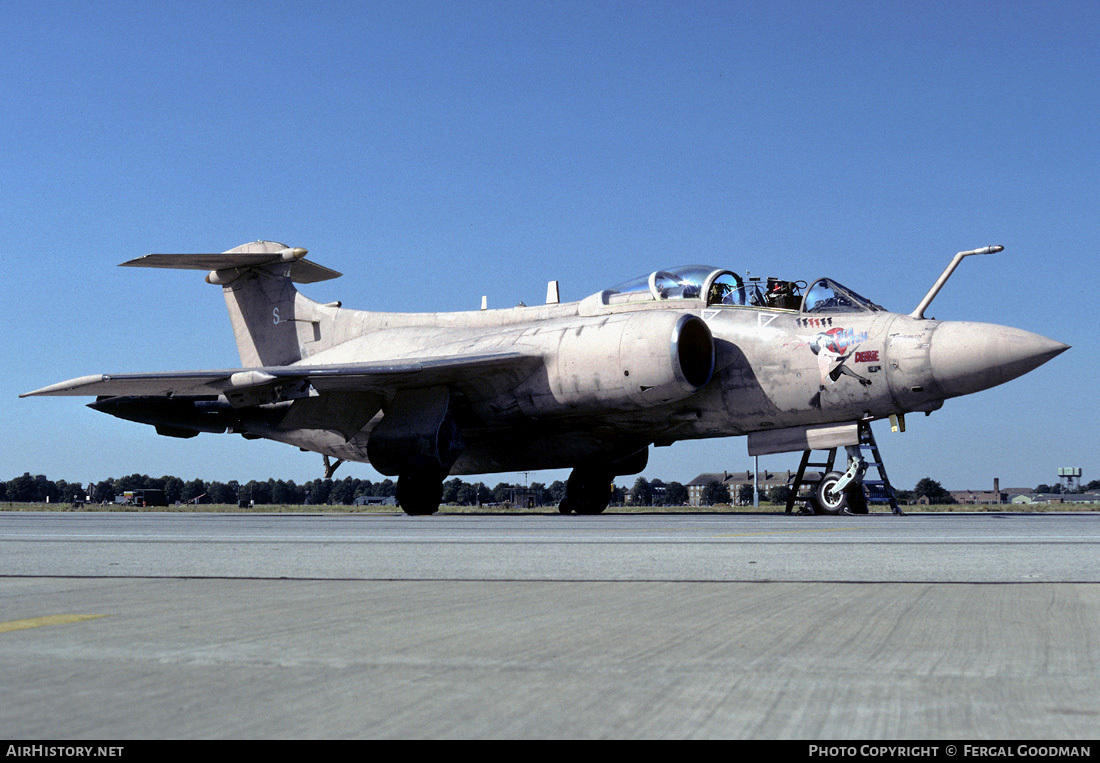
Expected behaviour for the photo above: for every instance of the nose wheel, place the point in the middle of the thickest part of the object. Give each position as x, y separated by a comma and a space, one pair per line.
832, 498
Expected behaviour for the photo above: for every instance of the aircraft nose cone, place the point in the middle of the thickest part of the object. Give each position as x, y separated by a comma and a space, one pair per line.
967, 357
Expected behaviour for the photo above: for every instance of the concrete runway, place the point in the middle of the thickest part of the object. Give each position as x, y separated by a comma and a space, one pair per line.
953, 626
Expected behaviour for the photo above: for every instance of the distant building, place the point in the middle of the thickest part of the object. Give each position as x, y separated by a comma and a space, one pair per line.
978, 496
769, 479
733, 481
1018, 495
1034, 497
994, 496
730, 481
374, 500
526, 499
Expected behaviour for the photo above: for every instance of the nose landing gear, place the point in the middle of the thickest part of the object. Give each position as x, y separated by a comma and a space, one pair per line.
844, 492
841, 493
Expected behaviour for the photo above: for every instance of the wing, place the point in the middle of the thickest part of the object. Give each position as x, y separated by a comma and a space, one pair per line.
243, 385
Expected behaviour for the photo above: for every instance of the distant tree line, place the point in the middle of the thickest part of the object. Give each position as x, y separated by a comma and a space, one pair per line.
1091, 487
40, 489
936, 494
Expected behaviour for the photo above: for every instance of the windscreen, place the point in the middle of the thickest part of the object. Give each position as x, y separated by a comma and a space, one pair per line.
827, 296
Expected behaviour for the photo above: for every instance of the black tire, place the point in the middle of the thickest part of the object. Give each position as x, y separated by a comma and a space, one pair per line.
857, 500
825, 500
419, 494
592, 507
586, 492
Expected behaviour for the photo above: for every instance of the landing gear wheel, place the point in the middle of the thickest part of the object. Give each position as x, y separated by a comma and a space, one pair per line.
586, 492
419, 493
826, 500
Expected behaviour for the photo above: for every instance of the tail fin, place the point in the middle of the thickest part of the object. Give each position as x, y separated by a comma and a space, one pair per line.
273, 323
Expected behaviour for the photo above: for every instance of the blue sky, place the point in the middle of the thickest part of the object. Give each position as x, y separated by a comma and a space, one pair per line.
436, 152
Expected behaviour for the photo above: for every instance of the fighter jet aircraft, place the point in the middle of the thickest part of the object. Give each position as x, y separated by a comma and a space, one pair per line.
686, 353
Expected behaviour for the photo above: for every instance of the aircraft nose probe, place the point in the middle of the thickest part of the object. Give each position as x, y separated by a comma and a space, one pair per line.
966, 357
924, 303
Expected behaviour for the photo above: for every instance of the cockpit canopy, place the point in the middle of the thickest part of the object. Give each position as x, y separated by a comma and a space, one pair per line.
720, 287
685, 282
827, 296
724, 287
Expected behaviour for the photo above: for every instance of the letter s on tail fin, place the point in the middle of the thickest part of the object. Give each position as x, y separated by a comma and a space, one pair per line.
273, 323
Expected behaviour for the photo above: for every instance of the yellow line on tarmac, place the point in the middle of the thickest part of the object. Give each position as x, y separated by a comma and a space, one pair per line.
38, 622
790, 532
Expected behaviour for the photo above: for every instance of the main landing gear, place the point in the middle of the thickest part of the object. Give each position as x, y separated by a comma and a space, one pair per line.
419, 491
588, 491
419, 440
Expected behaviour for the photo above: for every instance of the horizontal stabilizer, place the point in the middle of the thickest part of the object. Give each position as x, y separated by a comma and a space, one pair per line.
301, 270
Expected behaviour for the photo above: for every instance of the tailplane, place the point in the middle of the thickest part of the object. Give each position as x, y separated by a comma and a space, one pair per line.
273, 323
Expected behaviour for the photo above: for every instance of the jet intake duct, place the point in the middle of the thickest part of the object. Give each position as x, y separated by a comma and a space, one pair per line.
694, 352
629, 362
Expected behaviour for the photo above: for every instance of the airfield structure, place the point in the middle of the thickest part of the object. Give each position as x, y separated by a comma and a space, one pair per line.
1070, 478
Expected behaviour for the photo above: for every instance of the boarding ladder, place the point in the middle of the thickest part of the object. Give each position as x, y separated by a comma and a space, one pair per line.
877, 491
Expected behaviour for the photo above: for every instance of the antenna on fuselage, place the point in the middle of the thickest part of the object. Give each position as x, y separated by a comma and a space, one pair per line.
924, 303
